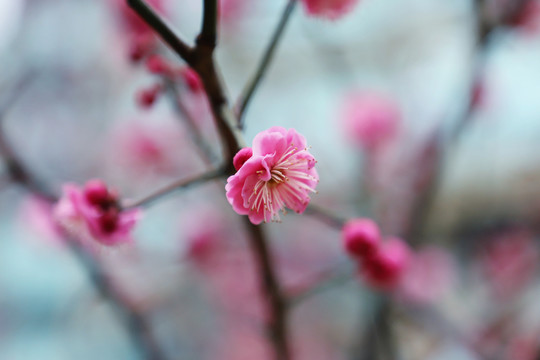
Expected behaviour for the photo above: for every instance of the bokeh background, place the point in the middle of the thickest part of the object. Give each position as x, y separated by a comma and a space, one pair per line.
68, 97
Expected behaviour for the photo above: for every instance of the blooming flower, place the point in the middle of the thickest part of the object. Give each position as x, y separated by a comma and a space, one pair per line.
330, 9
94, 212
279, 174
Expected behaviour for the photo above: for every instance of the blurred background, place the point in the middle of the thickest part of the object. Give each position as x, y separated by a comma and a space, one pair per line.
457, 179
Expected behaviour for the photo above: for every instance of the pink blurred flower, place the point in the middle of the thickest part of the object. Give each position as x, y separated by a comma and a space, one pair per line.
330, 9
385, 268
191, 79
523, 346
158, 65
148, 149
230, 10
141, 38
94, 211
279, 174
361, 237
146, 97
527, 18
370, 119
430, 273
204, 231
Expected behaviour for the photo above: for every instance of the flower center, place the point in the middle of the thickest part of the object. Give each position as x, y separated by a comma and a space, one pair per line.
277, 177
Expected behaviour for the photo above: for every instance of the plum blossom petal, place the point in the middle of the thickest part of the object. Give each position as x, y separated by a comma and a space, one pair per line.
361, 237
384, 269
94, 212
329, 9
279, 174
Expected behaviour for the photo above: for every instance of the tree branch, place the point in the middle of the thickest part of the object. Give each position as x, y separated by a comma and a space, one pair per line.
158, 24
137, 324
204, 148
177, 185
208, 35
201, 60
326, 216
321, 281
267, 57
277, 306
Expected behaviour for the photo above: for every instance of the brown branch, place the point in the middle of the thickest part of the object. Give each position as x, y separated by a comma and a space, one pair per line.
225, 119
326, 216
138, 325
177, 185
273, 295
321, 281
208, 35
378, 341
203, 147
164, 30
201, 60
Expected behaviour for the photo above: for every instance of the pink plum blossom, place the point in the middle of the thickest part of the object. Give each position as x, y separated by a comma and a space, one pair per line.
139, 35
279, 174
203, 231
144, 148
330, 9
241, 157
385, 268
191, 79
94, 212
370, 119
361, 237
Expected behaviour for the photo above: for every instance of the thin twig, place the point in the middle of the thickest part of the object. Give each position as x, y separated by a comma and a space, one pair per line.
203, 147
177, 185
326, 216
378, 340
320, 282
138, 325
267, 57
16, 171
